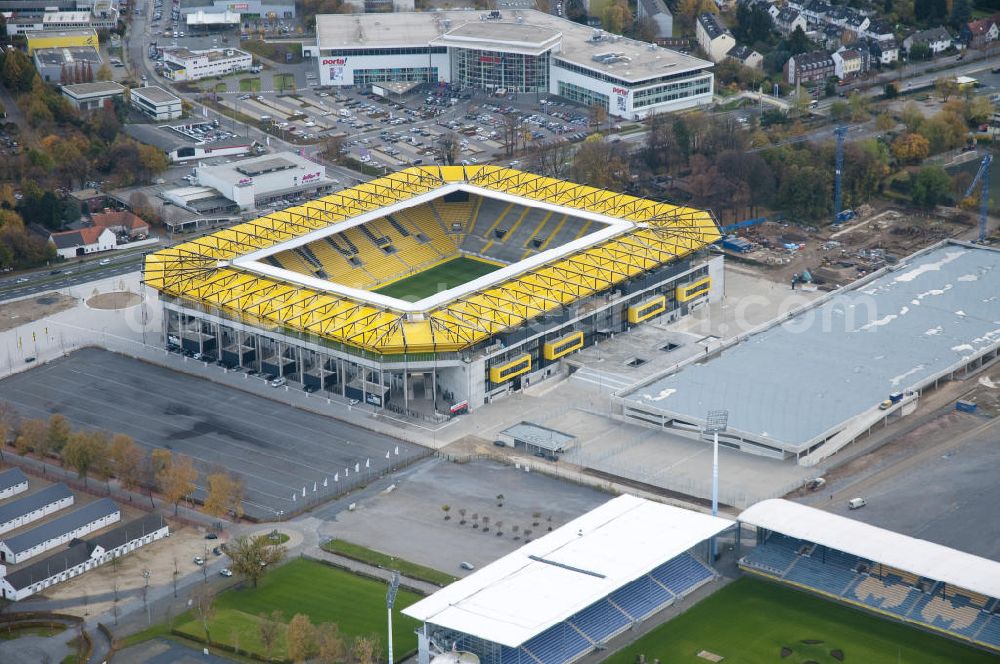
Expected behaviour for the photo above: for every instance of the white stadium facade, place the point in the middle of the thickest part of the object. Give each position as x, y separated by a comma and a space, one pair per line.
514, 51
566, 594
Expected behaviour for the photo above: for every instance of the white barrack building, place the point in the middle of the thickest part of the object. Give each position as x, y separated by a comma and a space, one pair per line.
523, 51
561, 596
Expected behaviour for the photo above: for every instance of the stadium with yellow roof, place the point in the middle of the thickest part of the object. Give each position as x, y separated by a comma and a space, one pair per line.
433, 289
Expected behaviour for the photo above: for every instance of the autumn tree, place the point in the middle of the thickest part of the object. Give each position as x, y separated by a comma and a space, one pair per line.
268, 631
330, 647
177, 480
946, 87
884, 122
601, 164
910, 148
31, 435
449, 144
252, 556
8, 422
58, 434
153, 160
366, 649
300, 639
618, 18
84, 451
126, 460
944, 131
225, 495
104, 73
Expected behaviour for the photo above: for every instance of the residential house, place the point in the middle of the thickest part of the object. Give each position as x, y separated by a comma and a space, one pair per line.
746, 56
829, 36
849, 64
936, 39
882, 52
815, 11
660, 15
121, 223
715, 40
12, 482
879, 30
81, 556
812, 67
83, 241
980, 34
788, 19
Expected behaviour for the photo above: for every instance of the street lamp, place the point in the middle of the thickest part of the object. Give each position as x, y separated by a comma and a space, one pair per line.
390, 599
145, 594
715, 422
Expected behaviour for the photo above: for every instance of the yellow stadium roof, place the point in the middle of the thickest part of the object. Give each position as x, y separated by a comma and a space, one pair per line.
200, 270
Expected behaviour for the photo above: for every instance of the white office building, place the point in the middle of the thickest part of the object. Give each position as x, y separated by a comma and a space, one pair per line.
156, 102
258, 181
181, 64
516, 51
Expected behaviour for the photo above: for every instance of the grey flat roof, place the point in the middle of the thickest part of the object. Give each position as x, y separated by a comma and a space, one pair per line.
62, 525
96, 88
12, 477
59, 56
539, 436
576, 44
155, 94
798, 380
21, 506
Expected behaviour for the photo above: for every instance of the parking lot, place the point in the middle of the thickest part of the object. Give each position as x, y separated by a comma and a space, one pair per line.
278, 450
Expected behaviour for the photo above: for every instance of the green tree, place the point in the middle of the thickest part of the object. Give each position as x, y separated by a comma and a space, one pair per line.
839, 110
945, 131
797, 42
930, 186
946, 86
252, 556
890, 91
919, 52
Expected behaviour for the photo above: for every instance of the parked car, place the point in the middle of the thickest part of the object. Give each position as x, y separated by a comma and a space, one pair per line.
856, 503
198, 560
211, 536
279, 382
225, 571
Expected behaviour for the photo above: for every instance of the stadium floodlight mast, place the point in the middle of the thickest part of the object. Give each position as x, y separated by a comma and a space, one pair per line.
390, 599
716, 421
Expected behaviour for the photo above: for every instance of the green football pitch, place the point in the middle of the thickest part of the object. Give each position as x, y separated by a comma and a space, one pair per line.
751, 621
441, 277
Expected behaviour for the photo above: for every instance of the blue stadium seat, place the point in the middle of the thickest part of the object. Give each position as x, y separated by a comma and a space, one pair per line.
557, 644
682, 573
990, 633
772, 559
813, 573
641, 598
600, 621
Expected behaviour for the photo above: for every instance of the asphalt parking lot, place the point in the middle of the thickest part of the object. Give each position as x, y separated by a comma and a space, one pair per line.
408, 520
278, 450
948, 497
162, 651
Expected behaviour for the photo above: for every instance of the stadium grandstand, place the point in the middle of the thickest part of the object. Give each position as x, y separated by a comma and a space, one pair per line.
433, 289
896, 576
566, 594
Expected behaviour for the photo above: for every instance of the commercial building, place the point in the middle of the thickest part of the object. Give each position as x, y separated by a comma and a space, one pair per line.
181, 64
181, 145
62, 21
12, 482
83, 241
23, 511
251, 9
81, 556
93, 516
258, 181
76, 64
94, 96
514, 51
210, 19
62, 39
157, 103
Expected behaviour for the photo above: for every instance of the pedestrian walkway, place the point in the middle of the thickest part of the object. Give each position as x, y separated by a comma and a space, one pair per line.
319, 555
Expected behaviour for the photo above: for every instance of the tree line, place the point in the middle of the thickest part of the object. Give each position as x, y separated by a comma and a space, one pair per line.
102, 456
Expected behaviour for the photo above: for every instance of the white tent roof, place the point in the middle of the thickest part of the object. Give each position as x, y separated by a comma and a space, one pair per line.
909, 554
548, 580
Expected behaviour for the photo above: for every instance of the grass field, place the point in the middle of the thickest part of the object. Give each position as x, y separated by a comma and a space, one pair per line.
324, 593
384, 560
441, 277
750, 621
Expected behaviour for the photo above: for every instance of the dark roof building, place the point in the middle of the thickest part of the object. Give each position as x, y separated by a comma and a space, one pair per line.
24, 510
86, 519
12, 481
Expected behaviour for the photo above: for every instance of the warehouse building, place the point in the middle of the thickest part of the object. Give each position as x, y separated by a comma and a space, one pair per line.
12, 482
94, 96
81, 556
261, 180
93, 516
75, 64
183, 146
280, 9
23, 511
522, 51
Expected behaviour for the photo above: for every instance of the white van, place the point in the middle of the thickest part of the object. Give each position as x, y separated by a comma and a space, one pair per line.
856, 503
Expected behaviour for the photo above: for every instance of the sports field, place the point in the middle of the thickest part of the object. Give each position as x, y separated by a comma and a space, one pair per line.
326, 594
755, 622
439, 278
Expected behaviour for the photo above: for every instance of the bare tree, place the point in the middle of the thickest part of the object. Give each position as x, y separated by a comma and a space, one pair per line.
203, 599
268, 630
449, 147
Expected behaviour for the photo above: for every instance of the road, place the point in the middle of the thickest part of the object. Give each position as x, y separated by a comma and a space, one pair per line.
73, 274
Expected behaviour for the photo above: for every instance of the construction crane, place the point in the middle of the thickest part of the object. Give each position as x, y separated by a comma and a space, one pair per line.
838, 215
982, 176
